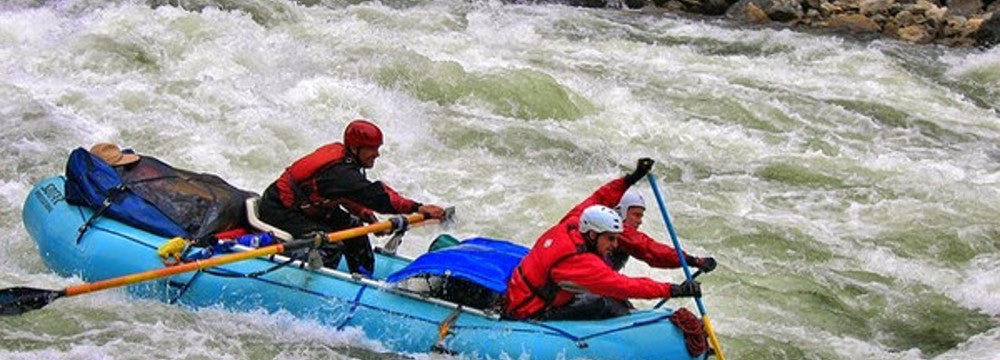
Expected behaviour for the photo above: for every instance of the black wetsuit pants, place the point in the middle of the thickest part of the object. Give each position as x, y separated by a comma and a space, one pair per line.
357, 250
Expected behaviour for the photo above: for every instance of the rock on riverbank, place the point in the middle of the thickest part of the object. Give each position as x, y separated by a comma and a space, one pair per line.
946, 22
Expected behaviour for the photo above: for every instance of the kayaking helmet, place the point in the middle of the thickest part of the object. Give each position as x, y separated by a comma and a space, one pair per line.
631, 199
601, 219
362, 133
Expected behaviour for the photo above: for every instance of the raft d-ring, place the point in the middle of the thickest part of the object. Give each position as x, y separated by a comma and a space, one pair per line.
171, 260
582, 344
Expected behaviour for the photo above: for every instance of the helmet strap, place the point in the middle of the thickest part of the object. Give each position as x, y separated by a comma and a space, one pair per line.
352, 154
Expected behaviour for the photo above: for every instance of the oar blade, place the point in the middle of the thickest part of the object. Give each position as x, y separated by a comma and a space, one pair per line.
19, 300
449, 218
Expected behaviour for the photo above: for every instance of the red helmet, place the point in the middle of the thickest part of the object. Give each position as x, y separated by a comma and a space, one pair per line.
362, 133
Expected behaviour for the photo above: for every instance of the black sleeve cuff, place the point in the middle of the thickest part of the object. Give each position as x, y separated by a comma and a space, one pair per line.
632, 178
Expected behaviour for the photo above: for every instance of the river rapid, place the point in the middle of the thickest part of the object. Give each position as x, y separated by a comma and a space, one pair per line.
847, 188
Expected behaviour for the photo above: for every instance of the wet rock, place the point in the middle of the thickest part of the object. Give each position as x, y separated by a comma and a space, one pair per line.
989, 32
946, 22
891, 28
828, 9
905, 18
707, 7
756, 14
854, 23
873, 7
812, 4
964, 7
634, 4
775, 10
924, 7
588, 3
915, 34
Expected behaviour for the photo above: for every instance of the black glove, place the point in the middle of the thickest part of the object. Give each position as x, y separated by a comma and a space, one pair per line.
706, 264
642, 168
368, 217
688, 288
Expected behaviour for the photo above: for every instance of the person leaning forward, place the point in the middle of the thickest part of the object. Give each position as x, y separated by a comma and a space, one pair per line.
567, 274
634, 243
328, 190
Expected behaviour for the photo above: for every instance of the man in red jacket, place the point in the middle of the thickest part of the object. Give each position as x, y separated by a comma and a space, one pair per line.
635, 243
328, 190
572, 259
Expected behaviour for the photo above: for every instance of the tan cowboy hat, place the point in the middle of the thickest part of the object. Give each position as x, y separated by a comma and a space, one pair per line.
112, 154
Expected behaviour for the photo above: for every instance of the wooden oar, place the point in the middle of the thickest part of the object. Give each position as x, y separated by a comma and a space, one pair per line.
687, 271
19, 300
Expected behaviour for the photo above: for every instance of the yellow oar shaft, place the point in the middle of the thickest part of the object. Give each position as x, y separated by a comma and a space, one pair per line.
712, 339
229, 258
368, 229
173, 270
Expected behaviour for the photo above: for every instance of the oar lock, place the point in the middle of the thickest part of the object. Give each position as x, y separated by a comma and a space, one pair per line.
399, 224
399, 227
314, 260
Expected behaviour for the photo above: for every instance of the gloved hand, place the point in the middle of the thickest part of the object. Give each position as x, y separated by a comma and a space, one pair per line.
642, 168
706, 264
431, 211
368, 217
688, 288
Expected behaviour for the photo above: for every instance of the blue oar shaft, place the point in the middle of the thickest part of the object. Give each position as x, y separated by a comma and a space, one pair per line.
673, 236
709, 329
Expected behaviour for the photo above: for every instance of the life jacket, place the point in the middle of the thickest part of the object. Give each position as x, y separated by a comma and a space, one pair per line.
297, 185
535, 274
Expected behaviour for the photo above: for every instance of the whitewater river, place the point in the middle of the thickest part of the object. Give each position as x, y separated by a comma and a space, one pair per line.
849, 190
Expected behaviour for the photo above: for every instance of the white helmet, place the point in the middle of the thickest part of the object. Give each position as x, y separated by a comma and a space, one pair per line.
601, 219
631, 198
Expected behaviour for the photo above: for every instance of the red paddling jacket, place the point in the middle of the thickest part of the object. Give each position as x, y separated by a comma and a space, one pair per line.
560, 265
328, 178
637, 244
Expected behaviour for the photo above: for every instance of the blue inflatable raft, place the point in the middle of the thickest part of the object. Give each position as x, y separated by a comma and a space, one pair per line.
403, 320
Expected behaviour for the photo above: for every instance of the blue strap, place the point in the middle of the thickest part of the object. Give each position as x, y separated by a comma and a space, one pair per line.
354, 307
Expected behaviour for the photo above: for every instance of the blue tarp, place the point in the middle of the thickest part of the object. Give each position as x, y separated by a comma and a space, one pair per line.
488, 262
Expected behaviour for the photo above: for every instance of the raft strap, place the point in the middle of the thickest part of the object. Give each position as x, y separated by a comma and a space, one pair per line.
444, 330
104, 207
249, 275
